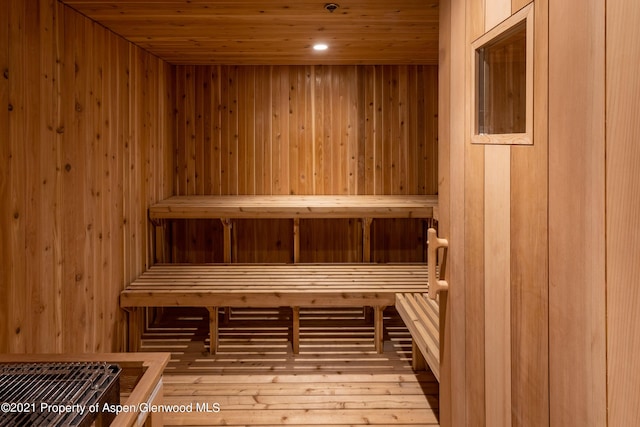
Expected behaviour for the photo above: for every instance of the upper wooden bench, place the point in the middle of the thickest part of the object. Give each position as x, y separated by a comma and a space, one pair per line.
271, 285
295, 207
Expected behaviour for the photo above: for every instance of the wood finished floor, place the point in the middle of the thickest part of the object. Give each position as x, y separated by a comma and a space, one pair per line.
337, 379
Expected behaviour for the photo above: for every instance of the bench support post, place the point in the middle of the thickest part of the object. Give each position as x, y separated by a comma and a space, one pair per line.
366, 239
296, 240
295, 339
378, 318
227, 254
227, 224
418, 362
213, 330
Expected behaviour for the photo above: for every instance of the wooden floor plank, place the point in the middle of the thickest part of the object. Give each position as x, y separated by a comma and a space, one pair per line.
338, 380
383, 417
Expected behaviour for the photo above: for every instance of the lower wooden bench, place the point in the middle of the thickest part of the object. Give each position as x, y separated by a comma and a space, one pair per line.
421, 315
270, 285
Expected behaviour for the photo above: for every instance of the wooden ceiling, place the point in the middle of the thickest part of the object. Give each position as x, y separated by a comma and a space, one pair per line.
274, 31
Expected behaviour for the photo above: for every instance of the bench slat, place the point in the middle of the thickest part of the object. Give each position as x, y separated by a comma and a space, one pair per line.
269, 285
305, 285
295, 206
421, 316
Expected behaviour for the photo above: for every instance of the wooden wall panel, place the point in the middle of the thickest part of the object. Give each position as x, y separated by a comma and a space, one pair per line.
623, 207
474, 243
497, 284
529, 248
516, 5
503, 221
495, 12
5, 184
453, 391
306, 130
303, 129
577, 335
86, 147
23, 126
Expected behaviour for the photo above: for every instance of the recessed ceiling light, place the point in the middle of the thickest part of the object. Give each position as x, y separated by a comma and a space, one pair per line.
320, 46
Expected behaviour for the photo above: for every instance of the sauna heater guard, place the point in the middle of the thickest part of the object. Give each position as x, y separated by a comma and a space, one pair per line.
28, 391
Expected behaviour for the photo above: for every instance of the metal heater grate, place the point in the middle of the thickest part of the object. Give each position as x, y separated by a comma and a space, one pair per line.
57, 394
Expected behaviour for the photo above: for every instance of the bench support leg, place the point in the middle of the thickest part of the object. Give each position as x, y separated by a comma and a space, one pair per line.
366, 239
296, 240
213, 330
418, 362
295, 339
379, 329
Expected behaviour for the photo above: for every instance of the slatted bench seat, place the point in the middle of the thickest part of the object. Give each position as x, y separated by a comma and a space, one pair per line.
421, 315
421, 311
271, 285
293, 207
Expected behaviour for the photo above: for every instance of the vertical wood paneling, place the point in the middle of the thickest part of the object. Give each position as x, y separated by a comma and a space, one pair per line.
495, 12
304, 129
379, 132
36, 241
18, 322
445, 70
307, 130
84, 151
622, 205
427, 155
80, 176
497, 280
577, 349
453, 372
474, 242
5, 182
529, 248
201, 145
516, 5
504, 223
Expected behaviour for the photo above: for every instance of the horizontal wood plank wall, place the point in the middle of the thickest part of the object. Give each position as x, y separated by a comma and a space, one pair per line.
86, 147
305, 130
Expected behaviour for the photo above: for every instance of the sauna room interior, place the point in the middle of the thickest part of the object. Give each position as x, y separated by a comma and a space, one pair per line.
509, 127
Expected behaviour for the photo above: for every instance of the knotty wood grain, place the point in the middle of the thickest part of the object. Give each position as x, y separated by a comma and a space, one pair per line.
5, 191
254, 371
313, 137
275, 33
87, 149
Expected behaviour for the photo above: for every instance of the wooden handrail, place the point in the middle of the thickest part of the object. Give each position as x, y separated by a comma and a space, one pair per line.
433, 244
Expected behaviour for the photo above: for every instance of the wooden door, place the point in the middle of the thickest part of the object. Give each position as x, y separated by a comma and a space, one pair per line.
493, 209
